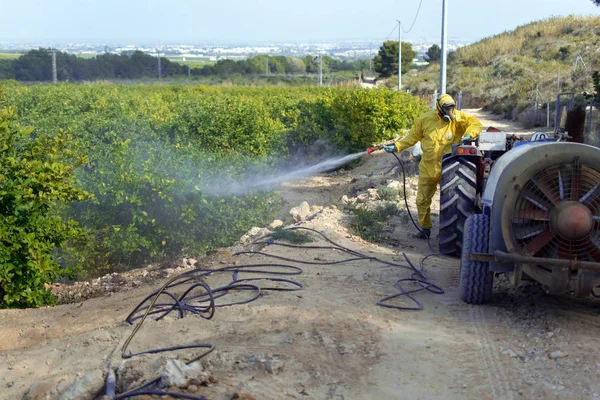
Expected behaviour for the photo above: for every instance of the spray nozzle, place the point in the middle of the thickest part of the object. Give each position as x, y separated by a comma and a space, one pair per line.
375, 148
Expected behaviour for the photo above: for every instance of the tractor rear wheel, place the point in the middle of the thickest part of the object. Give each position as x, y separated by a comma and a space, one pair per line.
458, 197
475, 278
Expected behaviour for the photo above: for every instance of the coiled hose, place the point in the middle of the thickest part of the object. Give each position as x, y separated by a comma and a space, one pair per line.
204, 303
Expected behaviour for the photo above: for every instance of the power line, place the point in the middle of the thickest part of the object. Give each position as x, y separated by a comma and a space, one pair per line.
414, 20
393, 30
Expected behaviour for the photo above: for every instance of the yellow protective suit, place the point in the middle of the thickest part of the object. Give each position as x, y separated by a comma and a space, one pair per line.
436, 137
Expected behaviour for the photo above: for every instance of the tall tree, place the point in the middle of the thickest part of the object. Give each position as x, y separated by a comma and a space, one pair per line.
386, 62
434, 53
597, 2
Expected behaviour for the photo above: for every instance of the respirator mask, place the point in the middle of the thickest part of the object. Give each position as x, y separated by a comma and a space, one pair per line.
446, 111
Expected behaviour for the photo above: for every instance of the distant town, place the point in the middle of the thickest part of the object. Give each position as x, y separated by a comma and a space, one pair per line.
343, 50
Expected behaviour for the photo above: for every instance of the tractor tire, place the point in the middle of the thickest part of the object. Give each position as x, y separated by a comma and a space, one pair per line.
475, 278
458, 198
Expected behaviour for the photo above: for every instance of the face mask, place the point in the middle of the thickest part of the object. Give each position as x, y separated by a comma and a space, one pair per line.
447, 113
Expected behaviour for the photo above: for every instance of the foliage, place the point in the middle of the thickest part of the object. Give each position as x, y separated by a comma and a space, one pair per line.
502, 72
291, 236
434, 53
386, 61
164, 162
36, 66
36, 177
371, 224
387, 193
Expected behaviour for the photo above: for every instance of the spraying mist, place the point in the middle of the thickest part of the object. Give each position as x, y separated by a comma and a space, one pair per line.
261, 182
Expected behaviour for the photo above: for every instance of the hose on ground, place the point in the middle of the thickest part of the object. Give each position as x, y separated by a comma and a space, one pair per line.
202, 300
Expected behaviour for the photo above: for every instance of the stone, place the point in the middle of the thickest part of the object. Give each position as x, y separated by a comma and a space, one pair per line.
274, 366
41, 390
301, 212
345, 199
372, 194
558, 354
190, 261
254, 231
48, 389
242, 395
177, 373
394, 184
362, 198
510, 353
275, 224
88, 387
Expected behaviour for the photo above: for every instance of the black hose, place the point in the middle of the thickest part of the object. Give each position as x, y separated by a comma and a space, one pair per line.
418, 277
205, 303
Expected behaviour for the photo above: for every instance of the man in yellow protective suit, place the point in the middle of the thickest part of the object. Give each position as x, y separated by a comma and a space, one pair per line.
437, 130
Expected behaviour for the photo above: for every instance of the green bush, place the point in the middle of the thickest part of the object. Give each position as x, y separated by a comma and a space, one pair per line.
387, 193
160, 157
371, 224
36, 177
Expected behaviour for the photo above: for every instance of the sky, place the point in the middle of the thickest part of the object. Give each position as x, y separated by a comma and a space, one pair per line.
259, 21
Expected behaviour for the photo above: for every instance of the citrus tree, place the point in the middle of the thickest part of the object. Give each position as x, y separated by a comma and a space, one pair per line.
34, 182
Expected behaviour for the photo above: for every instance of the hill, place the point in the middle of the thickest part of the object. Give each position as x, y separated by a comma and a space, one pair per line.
503, 71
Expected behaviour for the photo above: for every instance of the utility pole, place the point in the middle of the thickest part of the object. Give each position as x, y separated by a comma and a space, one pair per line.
558, 80
321, 70
399, 54
267, 65
370, 58
444, 54
189, 71
54, 77
158, 57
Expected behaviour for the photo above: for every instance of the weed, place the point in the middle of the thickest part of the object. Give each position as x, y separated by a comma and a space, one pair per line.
387, 193
371, 224
291, 235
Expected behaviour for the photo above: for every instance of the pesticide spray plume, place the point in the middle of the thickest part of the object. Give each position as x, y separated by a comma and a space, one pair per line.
261, 182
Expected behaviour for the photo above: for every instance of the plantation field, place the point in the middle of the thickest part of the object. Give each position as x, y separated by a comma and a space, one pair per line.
156, 166
193, 62
9, 56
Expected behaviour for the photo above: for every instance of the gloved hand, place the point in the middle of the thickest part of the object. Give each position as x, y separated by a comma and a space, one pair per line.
466, 138
390, 148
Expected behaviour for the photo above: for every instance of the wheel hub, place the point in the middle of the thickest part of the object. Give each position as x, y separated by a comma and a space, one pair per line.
573, 220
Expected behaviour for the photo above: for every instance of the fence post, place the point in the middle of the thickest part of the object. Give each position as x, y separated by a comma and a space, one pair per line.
460, 100
589, 127
557, 115
537, 104
547, 116
435, 96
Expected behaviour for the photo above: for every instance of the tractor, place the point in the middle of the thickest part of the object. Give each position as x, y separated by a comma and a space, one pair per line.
530, 209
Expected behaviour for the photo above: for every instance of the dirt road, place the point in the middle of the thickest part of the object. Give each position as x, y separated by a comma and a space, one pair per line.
330, 340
